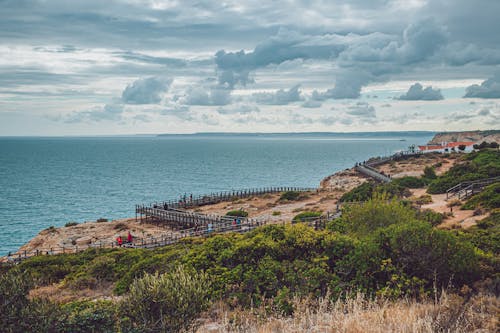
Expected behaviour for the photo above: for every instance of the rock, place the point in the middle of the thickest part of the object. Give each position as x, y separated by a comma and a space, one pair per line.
84, 240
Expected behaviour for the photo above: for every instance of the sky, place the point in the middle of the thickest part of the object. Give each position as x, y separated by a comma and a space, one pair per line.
114, 67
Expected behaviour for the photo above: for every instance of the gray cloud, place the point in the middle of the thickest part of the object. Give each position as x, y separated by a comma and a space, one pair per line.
234, 67
362, 110
488, 89
108, 112
146, 91
487, 114
200, 95
280, 97
417, 93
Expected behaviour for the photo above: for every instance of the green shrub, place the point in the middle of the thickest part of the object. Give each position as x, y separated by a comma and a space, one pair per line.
428, 215
486, 234
305, 216
167, 302
88, 316
410, 182
362, 192
237, 213
415, 249
71, 224
100, 220
429, 173
290, 196
376, 213
276, 213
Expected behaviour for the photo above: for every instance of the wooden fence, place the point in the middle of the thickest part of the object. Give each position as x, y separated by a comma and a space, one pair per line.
465, 189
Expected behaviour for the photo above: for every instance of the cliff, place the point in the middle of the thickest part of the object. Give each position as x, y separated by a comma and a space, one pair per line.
475, 136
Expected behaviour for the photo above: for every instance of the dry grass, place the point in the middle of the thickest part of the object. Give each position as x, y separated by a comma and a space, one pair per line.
450, 313
59, 294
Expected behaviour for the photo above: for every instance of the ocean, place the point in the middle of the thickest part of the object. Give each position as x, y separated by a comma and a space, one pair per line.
51, 181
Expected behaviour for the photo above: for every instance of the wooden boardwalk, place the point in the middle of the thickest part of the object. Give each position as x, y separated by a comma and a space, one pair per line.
187, 223
468, 188
174, 214
367, 168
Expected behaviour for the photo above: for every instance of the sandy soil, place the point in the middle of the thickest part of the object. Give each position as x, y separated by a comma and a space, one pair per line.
460, 218
415, 166
90, 232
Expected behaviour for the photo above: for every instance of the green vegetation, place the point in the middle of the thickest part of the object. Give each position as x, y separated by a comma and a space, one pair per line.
292, 196
167, 302
410, 182
428, 215
381, 247
276, 213
486, 145
305, 216
368, 190
237, 213
377, 213
486, 234
489, 198
476, 165
71, 224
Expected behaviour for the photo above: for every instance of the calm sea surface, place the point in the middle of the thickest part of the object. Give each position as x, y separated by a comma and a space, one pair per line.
51, 181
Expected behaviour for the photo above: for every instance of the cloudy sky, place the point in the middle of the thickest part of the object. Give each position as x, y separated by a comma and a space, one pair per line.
156, 66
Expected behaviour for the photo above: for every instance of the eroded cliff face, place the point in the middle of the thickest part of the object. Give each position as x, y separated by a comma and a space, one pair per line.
475, 136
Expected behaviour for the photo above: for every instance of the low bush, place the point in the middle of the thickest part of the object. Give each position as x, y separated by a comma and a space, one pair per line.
237, 213
410, 182
362, 192
423, 199
167, 302
305, 216
276, 213
71, 224
428, 215
290, 196
120, 226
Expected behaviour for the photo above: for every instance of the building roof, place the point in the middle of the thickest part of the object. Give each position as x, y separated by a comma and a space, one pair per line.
446, 145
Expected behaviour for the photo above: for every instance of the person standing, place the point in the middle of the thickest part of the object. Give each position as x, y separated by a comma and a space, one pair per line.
129, 238
119, 240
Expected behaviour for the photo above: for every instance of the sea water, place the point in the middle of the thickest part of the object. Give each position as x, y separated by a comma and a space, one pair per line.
51, 181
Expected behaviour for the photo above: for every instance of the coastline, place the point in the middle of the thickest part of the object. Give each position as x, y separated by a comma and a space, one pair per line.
265, 207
